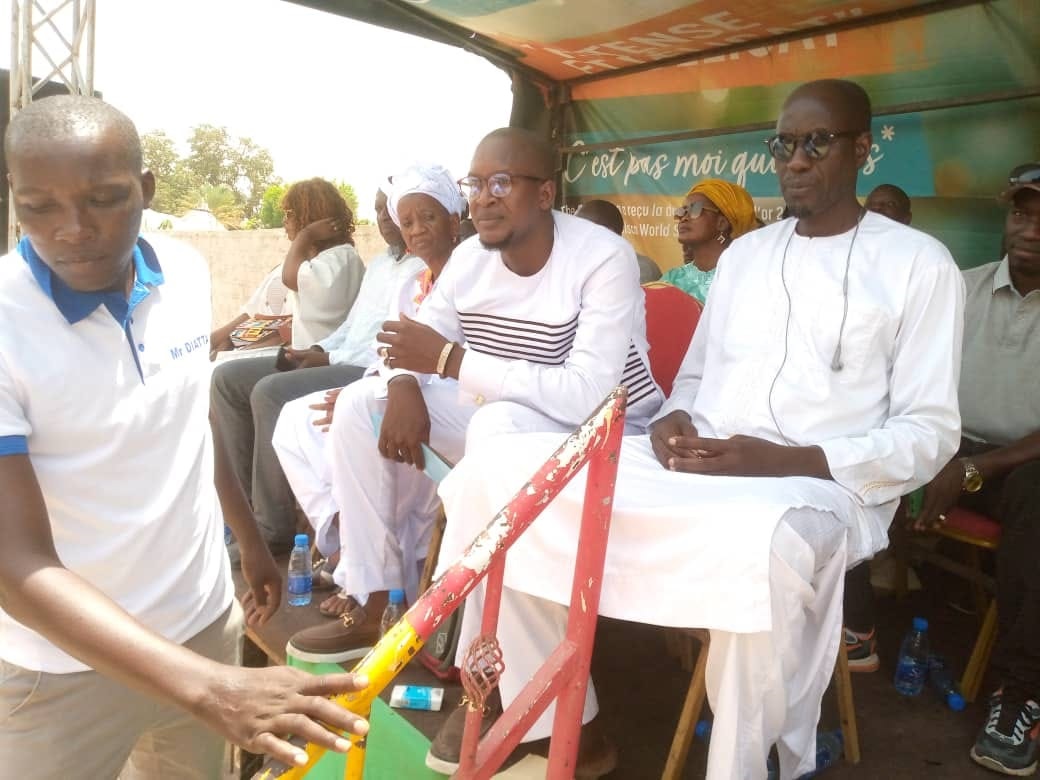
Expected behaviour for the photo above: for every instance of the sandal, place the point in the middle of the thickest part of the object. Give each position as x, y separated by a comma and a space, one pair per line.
340, 604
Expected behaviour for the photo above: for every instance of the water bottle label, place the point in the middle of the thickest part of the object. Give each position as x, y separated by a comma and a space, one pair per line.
910, 676
417, 697
299, 584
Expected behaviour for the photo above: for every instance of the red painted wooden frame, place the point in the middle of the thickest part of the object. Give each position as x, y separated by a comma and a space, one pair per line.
564, 675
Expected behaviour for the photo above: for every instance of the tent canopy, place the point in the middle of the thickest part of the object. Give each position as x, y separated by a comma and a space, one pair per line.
644, 98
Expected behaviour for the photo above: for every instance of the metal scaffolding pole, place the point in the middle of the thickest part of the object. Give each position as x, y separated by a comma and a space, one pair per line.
61, 33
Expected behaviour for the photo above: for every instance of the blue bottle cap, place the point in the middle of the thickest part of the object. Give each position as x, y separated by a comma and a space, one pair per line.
302, 540
702, 730
920, 624
397, 596
955, 701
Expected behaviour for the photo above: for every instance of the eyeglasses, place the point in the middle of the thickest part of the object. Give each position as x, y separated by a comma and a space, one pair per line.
498, 184
693, 210
1025, 174
815, 144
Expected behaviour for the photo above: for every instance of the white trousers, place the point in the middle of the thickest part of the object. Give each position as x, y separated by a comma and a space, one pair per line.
387, 509
763, 687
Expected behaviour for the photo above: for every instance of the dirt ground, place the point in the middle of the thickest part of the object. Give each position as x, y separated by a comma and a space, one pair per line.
641, 690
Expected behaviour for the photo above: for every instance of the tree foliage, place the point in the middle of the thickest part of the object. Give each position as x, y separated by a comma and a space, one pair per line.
271, 214
216, 163
232, 177
347, 191
223, 204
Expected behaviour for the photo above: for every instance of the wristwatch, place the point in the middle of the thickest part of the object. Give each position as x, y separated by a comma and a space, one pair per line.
972, 478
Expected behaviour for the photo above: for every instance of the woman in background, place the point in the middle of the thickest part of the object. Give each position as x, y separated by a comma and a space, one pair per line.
320, 276
715, 212
322, 270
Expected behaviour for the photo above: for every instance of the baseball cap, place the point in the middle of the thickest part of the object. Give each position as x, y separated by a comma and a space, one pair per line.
1022, 177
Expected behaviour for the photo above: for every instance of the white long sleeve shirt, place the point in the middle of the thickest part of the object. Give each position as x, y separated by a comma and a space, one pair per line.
760, 363
557, 341
353, 342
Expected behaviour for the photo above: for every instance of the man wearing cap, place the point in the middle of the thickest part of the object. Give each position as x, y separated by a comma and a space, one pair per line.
997, 469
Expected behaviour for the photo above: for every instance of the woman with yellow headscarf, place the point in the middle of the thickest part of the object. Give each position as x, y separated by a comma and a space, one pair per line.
714, 213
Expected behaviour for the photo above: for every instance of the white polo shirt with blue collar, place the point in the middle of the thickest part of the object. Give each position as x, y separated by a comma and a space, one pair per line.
109, 398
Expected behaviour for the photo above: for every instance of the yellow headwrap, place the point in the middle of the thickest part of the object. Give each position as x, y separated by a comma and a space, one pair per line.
732, 200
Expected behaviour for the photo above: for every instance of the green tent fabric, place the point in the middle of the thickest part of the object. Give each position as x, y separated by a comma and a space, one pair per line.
645, 98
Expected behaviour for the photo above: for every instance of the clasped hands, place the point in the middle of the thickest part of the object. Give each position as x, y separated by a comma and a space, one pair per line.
679, 447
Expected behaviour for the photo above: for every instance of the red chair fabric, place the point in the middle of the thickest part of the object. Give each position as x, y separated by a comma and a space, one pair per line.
969, 522
671, 318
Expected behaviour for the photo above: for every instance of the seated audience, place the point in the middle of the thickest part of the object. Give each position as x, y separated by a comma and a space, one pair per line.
605, 213
996, 472
805, 407
248, 394
715, 213
425, 203
321, 273
892, 202
517, 318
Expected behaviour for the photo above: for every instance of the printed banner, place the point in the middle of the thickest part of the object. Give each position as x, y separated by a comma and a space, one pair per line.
569, 38
952, 162
899, 153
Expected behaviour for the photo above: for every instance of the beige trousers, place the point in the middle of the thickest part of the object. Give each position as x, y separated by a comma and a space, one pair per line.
55, 726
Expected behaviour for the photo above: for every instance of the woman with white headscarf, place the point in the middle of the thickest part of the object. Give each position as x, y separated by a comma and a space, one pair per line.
425, 203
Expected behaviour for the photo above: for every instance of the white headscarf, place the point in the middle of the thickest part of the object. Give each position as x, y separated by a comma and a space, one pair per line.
429, 179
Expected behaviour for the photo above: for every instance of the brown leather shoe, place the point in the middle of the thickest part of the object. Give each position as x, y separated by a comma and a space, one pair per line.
597, 755
446, 749
346, 638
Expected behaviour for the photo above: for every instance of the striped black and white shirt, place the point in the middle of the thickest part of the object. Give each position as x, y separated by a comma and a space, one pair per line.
558, 341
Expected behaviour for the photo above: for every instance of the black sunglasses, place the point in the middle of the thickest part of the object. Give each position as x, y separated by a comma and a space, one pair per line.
815, 144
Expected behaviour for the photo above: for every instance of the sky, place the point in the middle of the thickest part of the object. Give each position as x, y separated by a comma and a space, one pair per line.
327, 96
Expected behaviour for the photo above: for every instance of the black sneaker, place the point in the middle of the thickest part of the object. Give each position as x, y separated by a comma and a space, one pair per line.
1007, 743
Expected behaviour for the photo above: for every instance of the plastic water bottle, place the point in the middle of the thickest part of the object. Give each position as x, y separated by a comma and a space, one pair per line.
912, 667
829, 747
703, 732
393, 612
300, 572
942, 682
228, 536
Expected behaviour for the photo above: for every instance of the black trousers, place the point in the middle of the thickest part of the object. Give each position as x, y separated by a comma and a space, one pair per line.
1014, 501
1016, 656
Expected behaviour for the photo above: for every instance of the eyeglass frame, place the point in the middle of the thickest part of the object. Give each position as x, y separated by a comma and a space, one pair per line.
701, 207
805, 141
472, 192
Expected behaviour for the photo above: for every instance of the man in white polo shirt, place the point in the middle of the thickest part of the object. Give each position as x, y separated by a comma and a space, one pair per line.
117, 617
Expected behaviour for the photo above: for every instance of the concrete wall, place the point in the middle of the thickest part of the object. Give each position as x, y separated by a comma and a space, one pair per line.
239, 260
